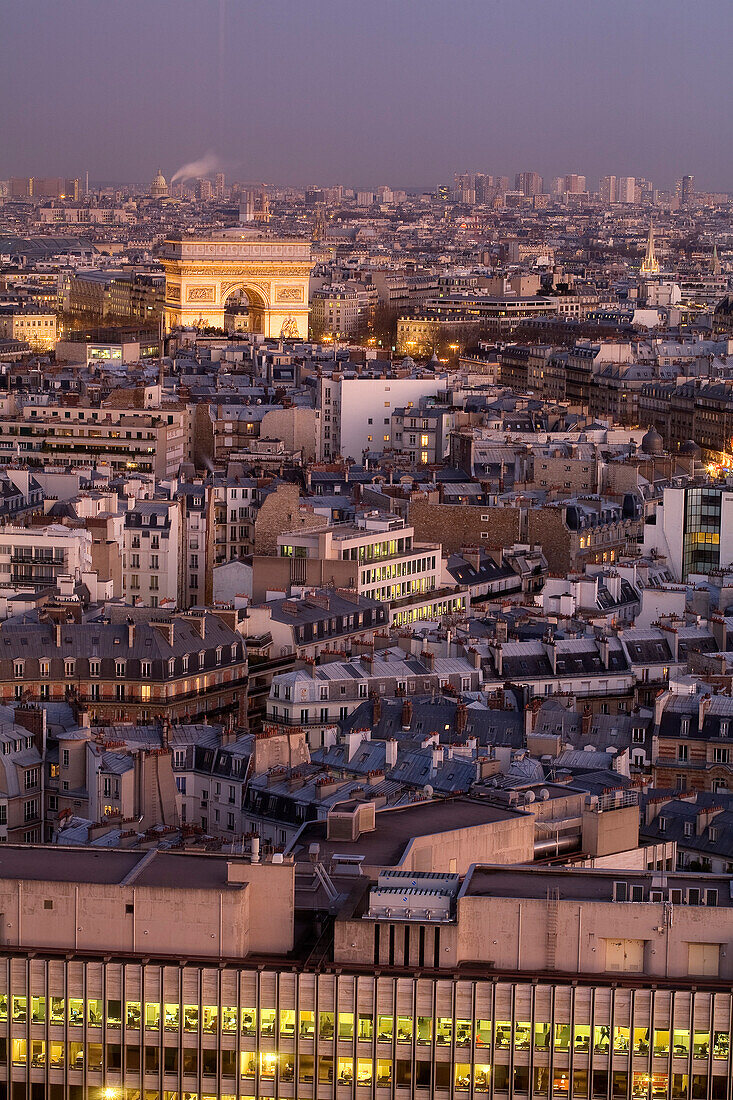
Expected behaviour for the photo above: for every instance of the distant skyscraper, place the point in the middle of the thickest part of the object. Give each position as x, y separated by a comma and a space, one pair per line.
574, 185
204, 190
482, 186
626, 189
21, 187
686, 189
529, 183
246, 207
608, 189
220, 185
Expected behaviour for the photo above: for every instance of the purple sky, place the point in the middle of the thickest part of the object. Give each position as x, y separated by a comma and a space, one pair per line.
365, 92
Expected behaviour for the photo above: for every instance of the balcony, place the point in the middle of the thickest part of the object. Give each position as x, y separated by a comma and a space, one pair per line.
37, 559
312, 723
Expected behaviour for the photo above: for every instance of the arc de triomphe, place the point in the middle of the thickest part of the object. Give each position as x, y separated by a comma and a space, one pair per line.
202, 272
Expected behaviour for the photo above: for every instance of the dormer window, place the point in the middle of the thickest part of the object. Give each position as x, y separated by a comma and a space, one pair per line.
69, 667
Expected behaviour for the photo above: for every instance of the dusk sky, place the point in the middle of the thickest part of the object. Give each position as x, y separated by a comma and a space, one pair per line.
364, 92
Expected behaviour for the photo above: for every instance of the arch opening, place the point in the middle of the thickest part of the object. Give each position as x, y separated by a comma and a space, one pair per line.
245, 309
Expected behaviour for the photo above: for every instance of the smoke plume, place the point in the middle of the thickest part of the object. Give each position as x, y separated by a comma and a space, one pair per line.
196, 168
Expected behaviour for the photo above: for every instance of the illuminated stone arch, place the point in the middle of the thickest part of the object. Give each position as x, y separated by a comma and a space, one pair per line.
202, 273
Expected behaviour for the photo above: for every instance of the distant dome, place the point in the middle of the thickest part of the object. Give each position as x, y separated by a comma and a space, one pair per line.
652, 443
159, 187
690, 448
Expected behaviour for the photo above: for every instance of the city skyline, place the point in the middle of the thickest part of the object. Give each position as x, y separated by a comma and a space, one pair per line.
274, 93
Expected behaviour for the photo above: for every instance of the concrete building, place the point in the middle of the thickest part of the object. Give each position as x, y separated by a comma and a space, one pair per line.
431, 992
376, 556
38, 557
356, 409
693, 530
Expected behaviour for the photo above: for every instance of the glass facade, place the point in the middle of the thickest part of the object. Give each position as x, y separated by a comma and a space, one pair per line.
108, 1030
701, 541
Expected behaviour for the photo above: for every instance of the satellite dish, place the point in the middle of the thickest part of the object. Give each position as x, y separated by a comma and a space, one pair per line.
529, 796
428, 790
545, 794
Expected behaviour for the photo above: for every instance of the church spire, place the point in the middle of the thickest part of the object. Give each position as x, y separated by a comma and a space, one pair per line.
650, 263
715, 262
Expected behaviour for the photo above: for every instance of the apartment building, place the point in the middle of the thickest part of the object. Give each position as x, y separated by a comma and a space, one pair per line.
154, 559
695, 742
320, 621
114, 776
34, 325
422, 435
37, 557
123, 439
341, 310
198, 535
23, 746
318, 697
235, 509
693, 529
128, 664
